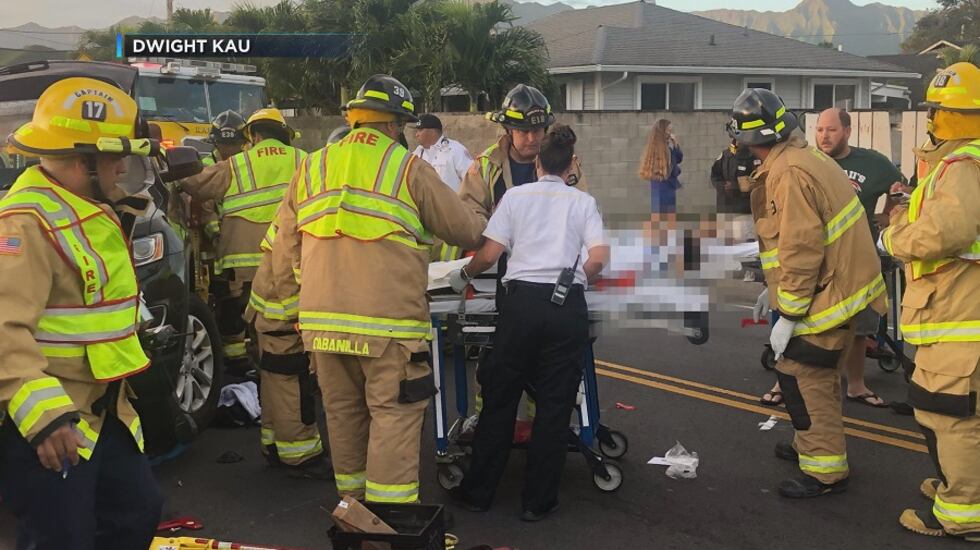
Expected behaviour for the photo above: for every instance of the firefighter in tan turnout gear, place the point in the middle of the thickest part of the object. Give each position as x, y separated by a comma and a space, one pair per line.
248, 187
821, 267
937, 235
72, 468
366, 213
290, 434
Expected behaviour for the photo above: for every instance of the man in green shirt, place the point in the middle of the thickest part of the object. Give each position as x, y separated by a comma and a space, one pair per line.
872, 175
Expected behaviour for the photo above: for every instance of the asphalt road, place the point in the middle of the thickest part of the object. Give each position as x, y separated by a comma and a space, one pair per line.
703, 396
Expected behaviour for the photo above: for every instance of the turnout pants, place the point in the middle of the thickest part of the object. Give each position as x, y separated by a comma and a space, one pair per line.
290, 434
809, 375
375, 407
232, 295
542, 345
944, 393
110, 502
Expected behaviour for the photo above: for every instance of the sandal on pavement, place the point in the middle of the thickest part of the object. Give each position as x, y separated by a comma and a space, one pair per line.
868, 398
772, 398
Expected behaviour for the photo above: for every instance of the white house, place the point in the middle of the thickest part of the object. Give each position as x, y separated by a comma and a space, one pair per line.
640, 56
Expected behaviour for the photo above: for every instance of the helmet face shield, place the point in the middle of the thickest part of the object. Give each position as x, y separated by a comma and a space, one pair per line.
139, 175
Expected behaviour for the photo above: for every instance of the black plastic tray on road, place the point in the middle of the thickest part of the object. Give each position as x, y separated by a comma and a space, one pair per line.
419, 526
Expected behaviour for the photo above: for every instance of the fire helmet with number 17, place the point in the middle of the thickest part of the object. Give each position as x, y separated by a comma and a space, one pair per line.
81, 116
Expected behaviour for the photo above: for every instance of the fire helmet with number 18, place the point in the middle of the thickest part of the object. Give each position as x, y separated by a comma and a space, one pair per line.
81, 116
524, 108
953, 100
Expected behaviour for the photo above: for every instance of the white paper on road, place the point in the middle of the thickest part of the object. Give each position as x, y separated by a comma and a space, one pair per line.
659, 461
768, 424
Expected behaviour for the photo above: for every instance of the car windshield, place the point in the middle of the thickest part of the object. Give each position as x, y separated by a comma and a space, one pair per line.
242, 98
177, 99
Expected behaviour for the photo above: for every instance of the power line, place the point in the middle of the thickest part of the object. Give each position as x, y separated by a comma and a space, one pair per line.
25, 31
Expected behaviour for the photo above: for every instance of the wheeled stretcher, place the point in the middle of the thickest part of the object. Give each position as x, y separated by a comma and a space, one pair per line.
471, 324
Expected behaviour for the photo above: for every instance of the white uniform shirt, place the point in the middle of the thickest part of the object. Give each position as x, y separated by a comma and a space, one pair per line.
450, 159
544, 225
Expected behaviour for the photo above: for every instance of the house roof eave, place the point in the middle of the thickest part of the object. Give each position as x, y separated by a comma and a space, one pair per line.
688, 69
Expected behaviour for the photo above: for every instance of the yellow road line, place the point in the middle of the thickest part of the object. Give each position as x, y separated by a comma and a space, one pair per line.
724, 391
751, 408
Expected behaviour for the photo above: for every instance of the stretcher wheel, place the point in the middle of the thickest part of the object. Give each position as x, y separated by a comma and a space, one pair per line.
616, 446
768, 358
613, 479
889, 363
700, 336
450, 476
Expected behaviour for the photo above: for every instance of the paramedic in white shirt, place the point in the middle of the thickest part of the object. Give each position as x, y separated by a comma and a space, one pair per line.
541, 340
448, 156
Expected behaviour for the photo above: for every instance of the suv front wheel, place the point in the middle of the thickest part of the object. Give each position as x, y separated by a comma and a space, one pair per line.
199, 380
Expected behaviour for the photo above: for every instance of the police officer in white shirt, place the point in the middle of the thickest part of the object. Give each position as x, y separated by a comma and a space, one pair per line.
543, 329
448, 156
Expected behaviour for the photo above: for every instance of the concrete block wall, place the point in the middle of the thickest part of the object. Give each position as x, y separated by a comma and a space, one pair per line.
610, 145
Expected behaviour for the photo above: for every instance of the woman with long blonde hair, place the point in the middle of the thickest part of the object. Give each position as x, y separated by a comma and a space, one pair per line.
660, 166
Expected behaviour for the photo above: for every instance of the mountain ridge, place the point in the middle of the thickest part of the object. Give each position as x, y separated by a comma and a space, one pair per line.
872, 29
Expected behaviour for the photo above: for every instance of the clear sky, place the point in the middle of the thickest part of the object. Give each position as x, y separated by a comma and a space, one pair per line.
100, 13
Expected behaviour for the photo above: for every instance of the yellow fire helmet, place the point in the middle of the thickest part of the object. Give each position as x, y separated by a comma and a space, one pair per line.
955, 88
81, 115
271, 114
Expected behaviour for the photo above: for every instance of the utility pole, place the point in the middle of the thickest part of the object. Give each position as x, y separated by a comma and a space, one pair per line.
170, 10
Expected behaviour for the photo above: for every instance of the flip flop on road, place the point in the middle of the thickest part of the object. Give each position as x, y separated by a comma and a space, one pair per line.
870, 399
772, 398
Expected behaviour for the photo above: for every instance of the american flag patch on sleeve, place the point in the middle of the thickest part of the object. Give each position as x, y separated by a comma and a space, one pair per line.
10, 246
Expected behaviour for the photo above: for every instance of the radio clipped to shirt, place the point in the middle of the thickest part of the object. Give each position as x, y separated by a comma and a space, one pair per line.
564, 283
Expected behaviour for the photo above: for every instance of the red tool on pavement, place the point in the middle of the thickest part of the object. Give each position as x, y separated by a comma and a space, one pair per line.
748, 321
625, 407
174, 525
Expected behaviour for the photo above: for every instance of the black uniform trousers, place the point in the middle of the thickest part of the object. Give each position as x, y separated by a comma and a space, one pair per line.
111, 502
541, 345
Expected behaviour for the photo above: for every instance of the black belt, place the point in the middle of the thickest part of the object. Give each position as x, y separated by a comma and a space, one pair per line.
543, 289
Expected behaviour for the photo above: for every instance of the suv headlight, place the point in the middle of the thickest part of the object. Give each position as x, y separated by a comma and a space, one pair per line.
147, 250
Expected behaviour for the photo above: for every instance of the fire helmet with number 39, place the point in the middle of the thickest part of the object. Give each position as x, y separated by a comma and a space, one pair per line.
73, 115
386, 94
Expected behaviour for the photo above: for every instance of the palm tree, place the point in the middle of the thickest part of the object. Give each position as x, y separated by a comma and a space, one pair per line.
186, 20
969, 53
488, 54
100, 44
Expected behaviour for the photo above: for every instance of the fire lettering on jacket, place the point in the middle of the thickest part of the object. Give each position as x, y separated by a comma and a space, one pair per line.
337, 345
270, 151
360, 137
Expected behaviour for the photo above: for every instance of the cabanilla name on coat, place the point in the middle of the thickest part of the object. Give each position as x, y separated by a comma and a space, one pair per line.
338, 345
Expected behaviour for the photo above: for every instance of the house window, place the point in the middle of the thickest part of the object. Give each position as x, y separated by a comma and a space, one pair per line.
759, 82
573, 93
826, 96
669, 95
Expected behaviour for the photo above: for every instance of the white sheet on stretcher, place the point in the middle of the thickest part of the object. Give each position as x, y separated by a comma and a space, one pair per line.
483, 304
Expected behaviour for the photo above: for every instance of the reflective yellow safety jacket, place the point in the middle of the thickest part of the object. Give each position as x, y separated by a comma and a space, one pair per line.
68, 311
